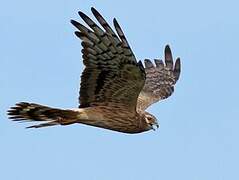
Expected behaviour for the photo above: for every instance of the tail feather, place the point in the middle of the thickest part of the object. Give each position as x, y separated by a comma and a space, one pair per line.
24, 111
51, 123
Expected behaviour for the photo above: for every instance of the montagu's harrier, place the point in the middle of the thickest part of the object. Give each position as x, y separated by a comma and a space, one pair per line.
115, 87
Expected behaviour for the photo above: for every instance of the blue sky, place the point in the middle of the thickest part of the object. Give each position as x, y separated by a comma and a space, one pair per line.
41, 62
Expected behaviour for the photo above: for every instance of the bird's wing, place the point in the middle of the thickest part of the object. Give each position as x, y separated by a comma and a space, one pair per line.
160, 80
111, 75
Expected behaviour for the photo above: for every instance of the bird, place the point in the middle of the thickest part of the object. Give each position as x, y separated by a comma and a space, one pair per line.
115, 88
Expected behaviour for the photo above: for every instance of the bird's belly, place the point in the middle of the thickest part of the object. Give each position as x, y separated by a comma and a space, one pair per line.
109, 118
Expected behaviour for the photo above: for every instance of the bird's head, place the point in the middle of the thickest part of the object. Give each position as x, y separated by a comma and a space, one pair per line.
151, 121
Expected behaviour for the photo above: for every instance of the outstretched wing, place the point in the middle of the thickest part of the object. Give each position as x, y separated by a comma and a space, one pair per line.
160, 80
112, 74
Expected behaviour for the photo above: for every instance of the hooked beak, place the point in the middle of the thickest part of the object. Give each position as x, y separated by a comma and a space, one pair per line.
154, 126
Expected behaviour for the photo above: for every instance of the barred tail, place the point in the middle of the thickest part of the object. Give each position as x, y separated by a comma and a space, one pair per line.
34, 112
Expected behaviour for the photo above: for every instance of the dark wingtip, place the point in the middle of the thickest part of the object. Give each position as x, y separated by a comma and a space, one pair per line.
93, 10
84, 16
31, 127
177, 68
141, 66
78, 34
148, 63
178, 59
168, 57
140, 63
81, 14
178, 64
159, 63
74, 23
167, 49
115, 22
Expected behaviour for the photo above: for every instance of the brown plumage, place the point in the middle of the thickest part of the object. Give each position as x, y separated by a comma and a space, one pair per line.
115, 88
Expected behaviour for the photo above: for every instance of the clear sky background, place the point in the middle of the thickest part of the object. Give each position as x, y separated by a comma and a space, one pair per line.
40, 61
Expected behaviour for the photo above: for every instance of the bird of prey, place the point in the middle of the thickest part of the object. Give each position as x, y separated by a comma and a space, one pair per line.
116, 89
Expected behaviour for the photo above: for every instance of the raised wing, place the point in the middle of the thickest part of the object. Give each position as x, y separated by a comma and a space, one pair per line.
160, 80
112, 74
